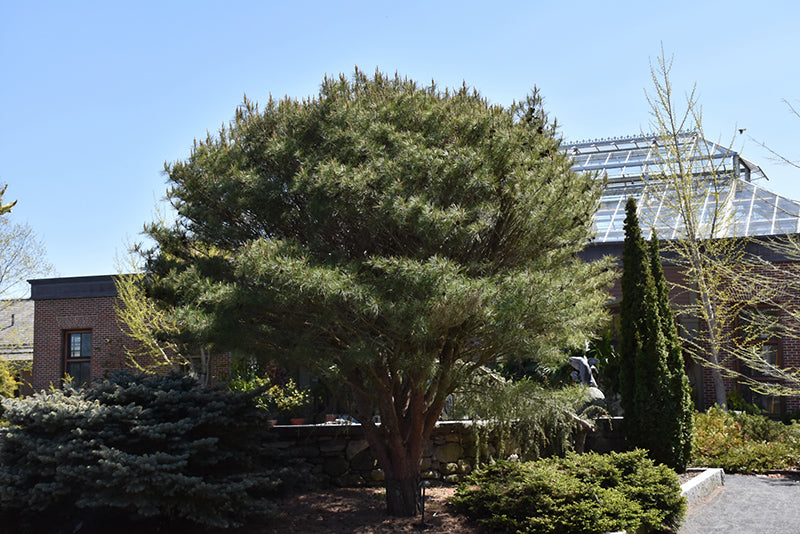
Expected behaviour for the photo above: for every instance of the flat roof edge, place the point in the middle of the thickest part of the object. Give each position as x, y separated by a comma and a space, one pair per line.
73, 287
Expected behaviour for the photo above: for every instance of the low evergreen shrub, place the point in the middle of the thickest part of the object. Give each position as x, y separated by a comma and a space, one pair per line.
137, 447
580, 493
744, 443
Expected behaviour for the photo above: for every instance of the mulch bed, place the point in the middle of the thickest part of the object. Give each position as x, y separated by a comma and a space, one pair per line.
361, 511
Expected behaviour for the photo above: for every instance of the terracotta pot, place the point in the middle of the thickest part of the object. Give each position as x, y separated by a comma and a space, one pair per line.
297, 420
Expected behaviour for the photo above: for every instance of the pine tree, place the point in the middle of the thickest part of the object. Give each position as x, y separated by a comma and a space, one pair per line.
654, 414
388, 236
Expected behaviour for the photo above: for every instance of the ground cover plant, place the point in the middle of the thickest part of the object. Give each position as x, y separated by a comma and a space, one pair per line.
744, 443
136, 448
584, 493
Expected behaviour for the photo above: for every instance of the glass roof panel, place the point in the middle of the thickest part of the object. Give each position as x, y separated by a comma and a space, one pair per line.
628, 163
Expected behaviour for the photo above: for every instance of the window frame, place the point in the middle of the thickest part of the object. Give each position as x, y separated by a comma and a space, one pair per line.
68, 359
772, 405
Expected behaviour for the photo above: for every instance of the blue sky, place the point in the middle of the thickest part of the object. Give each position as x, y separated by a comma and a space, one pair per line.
96, 96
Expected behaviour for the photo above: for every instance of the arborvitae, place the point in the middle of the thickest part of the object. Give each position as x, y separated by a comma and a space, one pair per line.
635, 277
680, 433
651, 410
136, 448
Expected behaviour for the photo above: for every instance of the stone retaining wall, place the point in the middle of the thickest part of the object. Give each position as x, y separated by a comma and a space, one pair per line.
339, 454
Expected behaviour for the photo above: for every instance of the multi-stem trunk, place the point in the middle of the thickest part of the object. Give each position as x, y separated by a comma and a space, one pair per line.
398, 451
402, 485
397, 442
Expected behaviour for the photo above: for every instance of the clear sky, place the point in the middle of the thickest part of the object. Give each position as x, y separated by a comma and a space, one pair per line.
96, 96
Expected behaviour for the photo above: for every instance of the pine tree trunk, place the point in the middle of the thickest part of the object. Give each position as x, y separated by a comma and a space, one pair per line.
402, 496
399, 458
401, 470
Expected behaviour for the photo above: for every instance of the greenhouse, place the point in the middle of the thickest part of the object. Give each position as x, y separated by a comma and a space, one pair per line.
720, 184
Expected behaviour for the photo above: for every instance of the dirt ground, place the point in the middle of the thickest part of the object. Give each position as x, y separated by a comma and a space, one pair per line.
361, 511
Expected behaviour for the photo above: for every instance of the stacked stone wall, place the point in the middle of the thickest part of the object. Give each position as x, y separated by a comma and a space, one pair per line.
340, 456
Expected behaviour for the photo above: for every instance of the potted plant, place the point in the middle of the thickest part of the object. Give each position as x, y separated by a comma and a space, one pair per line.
290, 401
265, 401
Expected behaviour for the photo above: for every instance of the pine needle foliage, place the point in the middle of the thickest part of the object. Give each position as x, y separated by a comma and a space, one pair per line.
579, 493
383, 233
532, 421
136, 447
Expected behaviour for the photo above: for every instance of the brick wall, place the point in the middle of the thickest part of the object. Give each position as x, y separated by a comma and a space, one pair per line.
54, 316
788, 346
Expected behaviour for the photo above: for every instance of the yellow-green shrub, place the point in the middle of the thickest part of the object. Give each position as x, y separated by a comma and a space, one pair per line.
744, 443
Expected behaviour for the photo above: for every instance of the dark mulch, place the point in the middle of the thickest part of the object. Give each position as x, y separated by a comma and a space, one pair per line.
361, 511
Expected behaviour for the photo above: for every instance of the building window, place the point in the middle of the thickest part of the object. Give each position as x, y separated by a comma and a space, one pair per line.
78, 355
757, 329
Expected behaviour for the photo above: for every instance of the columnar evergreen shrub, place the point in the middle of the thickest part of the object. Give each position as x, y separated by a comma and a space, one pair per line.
586, 493
136, 447
635, 282
654, 388
680, 409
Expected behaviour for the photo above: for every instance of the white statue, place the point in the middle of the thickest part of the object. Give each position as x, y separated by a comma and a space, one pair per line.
584, 370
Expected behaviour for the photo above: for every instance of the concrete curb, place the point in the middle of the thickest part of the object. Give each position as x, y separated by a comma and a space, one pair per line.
703, 484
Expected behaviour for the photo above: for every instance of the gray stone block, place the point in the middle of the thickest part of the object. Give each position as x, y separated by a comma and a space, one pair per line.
355, 447
336, 467
451, 452
362, 461
449, 468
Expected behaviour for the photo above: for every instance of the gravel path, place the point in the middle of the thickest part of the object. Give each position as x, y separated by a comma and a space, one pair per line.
748, 505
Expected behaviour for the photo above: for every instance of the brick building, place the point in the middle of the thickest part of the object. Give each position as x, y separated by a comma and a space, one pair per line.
724, 181
783, 351
76, 332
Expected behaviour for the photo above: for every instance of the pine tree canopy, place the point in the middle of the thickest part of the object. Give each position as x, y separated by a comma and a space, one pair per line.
382, 219
391, 234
